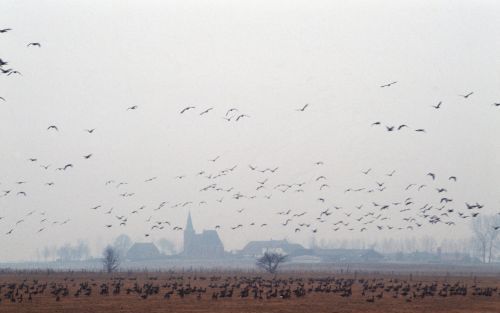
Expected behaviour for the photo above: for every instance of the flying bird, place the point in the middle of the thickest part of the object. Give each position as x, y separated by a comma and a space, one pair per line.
303, 108
206, 111
11, 72
34, 44
186, 109
467, 95
132, 107
53, 127
4, 30
437, 106
214, 159
241, 116
388, 85
231, 110
391, 173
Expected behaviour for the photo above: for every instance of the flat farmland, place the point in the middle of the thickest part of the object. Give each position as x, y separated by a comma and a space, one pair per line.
245, 292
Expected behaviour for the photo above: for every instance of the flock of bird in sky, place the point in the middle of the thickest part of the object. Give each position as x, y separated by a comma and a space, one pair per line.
413, 208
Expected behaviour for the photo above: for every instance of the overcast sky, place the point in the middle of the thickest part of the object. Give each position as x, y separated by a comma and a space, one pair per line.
267, 59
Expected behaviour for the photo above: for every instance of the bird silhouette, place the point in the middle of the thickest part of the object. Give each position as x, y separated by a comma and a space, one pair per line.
467, 95
231, 110
303, 108
34, 44
388, 85
391, 173
12, 72
186, 109
214, 159
206, 111
437, 106
241, 116
53, 127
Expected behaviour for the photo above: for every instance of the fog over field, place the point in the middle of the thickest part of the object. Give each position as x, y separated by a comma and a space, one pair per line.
285, 117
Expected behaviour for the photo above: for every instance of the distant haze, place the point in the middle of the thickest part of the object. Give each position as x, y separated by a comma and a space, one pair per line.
267, 59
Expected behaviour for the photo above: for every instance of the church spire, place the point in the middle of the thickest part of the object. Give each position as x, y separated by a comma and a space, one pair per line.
189, 224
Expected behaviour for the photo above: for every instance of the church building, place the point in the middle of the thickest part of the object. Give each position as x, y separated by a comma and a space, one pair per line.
206, 245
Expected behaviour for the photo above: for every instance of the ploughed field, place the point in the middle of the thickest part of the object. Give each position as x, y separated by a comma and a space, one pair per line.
244, 292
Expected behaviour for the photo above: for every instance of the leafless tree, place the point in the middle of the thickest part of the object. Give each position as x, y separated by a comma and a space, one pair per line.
121, 245
166, 246
111, 259
485, 235
427, 244
77, 252
270, 261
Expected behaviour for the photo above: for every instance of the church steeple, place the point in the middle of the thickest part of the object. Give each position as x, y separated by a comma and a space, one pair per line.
189, 235
189, 224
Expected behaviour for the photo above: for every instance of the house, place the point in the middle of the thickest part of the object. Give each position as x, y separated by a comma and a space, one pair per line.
143, 251
257, 248
348, 255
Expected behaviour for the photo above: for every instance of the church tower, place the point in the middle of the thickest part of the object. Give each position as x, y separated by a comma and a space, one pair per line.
189, 235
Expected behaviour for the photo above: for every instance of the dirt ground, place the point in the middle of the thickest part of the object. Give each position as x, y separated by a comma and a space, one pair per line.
244, 292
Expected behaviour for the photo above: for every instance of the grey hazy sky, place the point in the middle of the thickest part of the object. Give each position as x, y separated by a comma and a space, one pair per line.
266, 58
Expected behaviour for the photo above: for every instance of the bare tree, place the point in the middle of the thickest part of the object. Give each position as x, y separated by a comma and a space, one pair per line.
485, 235
428, 244
270, 261
166, 246
111, 259
122, 244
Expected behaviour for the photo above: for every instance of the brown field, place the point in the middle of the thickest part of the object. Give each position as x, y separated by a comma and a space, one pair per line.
289, 292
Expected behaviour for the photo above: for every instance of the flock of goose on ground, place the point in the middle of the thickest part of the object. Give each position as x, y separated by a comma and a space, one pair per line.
240, 287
